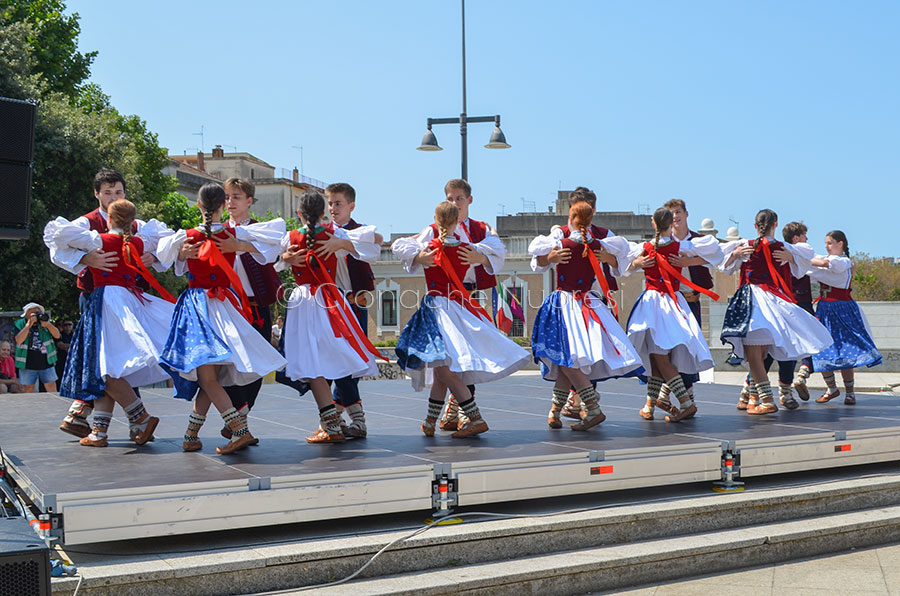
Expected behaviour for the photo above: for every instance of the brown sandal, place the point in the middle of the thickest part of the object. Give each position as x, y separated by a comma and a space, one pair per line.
589, 422
684, 414
763, 408
850, 400
827, 397
643, 413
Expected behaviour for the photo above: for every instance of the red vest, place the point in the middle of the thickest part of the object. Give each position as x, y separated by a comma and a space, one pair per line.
802, 289
122, 274
700, 274
304, 275
577, 275
653, 276
200, 273
264, 280
756, 269
478, 231
85, 281
436, 281
599, 234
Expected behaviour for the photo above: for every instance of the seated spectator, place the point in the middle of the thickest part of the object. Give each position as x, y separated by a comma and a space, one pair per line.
35, 348
8, 382
66, 331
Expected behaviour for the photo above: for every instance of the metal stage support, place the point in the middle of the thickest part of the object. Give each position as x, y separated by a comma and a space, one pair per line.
125, 492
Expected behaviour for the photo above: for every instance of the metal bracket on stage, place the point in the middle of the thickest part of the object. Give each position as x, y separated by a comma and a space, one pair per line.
261, 483
444, 490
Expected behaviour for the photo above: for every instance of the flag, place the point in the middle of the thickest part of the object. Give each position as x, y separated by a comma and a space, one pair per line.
506, 308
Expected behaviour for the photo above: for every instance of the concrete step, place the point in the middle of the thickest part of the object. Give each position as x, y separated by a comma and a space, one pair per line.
623, 533
645, 562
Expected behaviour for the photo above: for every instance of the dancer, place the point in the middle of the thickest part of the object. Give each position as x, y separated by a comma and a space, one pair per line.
450, 337
481, 250
853, 345
699, 270
603, 285
762, 316
575, 338
210, 339
322, 336
118, 340
258, 278
109, 185
661, 326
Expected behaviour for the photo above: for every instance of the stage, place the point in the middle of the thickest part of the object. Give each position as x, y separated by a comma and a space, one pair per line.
127, 492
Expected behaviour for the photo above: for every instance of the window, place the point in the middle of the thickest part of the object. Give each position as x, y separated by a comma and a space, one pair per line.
252, 174
389, 308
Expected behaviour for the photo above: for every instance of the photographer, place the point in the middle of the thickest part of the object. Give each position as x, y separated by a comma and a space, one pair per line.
35, 348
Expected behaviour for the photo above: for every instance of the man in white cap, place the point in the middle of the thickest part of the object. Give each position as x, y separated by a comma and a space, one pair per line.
35, 348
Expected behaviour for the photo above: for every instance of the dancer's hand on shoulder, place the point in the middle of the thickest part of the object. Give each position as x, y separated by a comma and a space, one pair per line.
559, 255
294, 256
782, 255
605, 257
468, 255
425, 258
332, 245
148, 259
188, 250
643, 262
230, 243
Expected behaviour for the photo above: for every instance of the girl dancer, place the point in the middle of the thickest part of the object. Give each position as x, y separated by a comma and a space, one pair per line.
763, 317
121, 333
836, 309
450, 337
210, 340
661, 326
576, 339
322, 336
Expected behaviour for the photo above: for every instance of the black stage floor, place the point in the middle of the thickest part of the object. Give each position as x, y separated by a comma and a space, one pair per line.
47, 462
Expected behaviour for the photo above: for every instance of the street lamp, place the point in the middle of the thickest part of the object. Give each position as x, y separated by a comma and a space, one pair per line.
498, 139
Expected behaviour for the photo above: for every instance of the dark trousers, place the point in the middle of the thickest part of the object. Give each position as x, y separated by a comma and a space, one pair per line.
246, 394
346, 389
690, 379
808, 307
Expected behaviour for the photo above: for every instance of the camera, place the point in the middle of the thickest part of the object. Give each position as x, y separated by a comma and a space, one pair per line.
42, 316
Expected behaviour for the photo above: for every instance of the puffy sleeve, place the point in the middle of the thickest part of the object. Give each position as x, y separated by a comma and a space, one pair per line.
283, 245
167, 251
803, 254
709, 249
150, 233
265, 236
839, 264
69, 241
363, 239
540, 248
623, 251
727, 249
406, 249
492, 247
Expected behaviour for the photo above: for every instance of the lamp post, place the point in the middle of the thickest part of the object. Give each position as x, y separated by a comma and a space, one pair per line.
498, 139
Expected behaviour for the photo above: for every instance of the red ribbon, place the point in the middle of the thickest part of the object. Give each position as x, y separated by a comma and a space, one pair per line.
139, 266
335, 305
210, 253
781, 288
667, 272
472, 305
588, 312
601, 279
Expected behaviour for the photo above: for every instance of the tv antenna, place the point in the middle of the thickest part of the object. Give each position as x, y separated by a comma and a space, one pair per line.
300, 149
200, 134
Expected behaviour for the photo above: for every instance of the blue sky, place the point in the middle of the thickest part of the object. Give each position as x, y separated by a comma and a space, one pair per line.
732, 106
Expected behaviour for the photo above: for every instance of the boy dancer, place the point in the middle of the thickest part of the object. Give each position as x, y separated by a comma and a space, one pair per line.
260, 281
355, 280
109, 186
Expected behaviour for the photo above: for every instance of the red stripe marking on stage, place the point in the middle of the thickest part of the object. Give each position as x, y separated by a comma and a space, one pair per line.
443, 488
601, 470
838, 448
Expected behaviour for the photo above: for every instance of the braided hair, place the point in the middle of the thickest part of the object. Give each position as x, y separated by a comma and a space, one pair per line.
121, 215
839, 236
765, 221
211, 198
311, 208
662, 219
580, 215
445, 215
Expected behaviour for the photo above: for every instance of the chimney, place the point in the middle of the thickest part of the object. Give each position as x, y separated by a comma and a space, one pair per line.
217, 151
296, 175
201, 165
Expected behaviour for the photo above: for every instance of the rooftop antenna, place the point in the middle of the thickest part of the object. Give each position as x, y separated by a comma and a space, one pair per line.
502, 208
234, 148
299, 148
526, 204
192, 149
644, 208
200, 134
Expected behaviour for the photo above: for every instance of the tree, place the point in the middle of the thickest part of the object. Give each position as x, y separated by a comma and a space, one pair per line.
876, 278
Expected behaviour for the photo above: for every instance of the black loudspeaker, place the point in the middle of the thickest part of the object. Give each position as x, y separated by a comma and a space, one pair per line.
16, 160
24, 560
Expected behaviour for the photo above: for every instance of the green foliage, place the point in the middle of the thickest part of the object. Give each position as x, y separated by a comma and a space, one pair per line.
77, 132
177, 212
875, 278
387, 343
